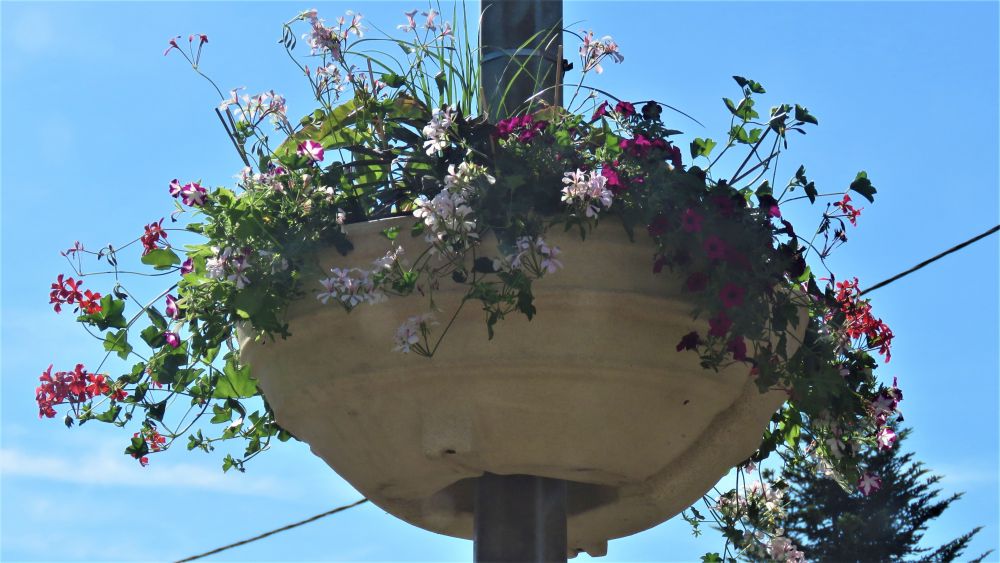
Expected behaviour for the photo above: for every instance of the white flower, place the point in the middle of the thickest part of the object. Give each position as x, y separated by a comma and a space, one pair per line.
586, 191
445, 217
460, 178
411, 24
437, 130
408, 334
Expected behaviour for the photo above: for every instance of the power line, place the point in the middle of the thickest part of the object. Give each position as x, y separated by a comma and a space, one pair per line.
955, 248
272, 532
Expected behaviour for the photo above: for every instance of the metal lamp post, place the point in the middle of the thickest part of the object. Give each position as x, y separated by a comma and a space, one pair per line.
519, 518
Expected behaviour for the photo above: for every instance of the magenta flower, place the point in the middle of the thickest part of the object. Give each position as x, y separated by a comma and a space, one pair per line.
187, 267
172, 339
696, 282
731, 295
175, 188
719, 325
885, 438
193, 194
715, 248
600, 112
172, 310
173, 45
869, 483
691, 221
738, 347
690, 341
626, 109
311, 150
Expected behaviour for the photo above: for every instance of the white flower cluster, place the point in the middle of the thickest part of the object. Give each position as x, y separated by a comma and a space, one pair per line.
446, 216
229, 265
354, 286
593, 51
323, 39
537, 254
461, 179
586, 191
254, 109
437, 130
780, 548
409, 333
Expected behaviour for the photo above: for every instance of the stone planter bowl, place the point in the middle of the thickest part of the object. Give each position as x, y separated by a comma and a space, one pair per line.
591, 391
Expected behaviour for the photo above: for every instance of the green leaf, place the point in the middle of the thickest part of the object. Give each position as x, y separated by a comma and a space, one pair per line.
110, 315
161, 259
393, 80
863, 186
157, 410
755, 87
702, 147
803, 115
156, 318
153, 336
109, 415
711, 558
235, 381
732, 106
118, 342
391, 233
221, 414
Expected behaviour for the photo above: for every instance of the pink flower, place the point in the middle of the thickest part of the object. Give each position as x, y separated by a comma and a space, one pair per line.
172, 310
731, 295
869, 483
626, 109
187, 267
411, 24
172, 339
885, 438
193, 194
691, 221
714, 248
312, 150
173, 45
738, 347
175, 188
719, 325
600, 112
202, 38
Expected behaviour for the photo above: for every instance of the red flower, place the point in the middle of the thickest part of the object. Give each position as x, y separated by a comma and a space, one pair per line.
719, 325
738, 347
848, 210
658, 226
690, 341
731, 295
600, 112
97, 385
614, 181
696, 282
626, 109
153, 234
715, 248
691, 221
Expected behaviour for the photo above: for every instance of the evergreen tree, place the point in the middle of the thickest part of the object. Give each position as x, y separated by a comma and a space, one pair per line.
831, 525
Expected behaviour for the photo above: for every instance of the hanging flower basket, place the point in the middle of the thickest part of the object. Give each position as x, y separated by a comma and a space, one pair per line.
592, 391
424, 295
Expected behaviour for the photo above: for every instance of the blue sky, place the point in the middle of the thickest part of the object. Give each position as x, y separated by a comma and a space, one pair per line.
95, 122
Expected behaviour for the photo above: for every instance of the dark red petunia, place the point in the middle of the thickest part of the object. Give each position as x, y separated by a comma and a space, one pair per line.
719, 325
690, 341
738, 347
715, 248
732, 295
696, 282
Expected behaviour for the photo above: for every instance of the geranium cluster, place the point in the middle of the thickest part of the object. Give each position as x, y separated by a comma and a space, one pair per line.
72, 387
66, 291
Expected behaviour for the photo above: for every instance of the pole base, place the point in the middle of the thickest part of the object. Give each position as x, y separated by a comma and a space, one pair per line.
519, 519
